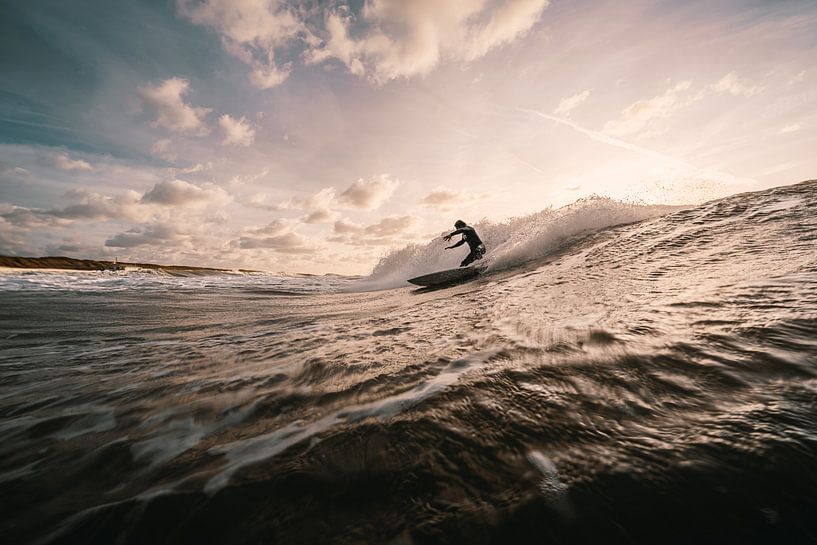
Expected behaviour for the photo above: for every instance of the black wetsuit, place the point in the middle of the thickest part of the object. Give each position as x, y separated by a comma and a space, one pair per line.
474, 242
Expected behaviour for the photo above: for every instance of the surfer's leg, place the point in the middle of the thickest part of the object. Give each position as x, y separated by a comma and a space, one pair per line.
469, 259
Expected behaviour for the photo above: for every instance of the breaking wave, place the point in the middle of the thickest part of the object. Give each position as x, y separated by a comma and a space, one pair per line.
513, 242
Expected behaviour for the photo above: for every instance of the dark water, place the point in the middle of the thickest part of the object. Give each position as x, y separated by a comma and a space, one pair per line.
650, 383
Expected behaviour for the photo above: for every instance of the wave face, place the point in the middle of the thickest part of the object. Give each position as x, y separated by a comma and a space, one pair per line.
513, 242
618, 376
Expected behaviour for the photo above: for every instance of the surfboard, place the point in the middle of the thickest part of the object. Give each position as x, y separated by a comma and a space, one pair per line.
444, 277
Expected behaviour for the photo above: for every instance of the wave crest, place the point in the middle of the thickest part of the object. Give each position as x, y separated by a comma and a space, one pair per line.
512, 242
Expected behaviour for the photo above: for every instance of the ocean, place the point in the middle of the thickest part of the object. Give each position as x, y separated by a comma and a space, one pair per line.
619, 374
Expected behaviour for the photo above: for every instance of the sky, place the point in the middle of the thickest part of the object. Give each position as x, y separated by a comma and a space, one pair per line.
317, 136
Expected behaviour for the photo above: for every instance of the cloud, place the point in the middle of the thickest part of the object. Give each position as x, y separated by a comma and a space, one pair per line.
164, 101
794, 127
288, 243
278, 236
321, 215
797, 78
345, 226
11, 242
63, 162
381, 41
236, 131
163, 149
385, 232
94, 206
369, 194
443, 198
181, 193
87, 205
20, 216
404, 39
643, 115
251, 30
276, 227
150, 235
733, 85
570, 103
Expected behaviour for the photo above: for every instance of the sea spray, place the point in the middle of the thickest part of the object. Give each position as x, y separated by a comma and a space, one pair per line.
511, 242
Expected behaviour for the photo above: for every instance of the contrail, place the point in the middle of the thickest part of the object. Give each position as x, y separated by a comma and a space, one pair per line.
604, 138
722, 177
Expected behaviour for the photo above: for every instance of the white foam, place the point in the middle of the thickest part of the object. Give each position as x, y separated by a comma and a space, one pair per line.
512, 242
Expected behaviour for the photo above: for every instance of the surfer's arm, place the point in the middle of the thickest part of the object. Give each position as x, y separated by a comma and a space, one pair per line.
457, 232
455, 245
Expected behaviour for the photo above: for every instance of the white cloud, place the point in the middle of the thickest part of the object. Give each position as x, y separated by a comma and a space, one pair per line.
733, 85
369, 194
251, 30
570, 103
164, 101
404, 39
181, 193
644, 114
798, 78
63, 162
383, 40
163, 149
236, 131
794, 127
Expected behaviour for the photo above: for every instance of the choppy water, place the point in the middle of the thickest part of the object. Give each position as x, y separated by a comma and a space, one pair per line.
648, 383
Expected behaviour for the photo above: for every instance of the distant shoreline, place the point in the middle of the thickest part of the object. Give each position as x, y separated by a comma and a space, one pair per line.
70, 263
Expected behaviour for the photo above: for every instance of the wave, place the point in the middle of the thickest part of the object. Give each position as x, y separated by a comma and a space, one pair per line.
512, 242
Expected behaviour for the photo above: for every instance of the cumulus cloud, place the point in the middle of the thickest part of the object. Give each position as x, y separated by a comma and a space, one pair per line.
572, 102
278, 236
86, 205
94, 206
384, 232
181, 193
733, 85
382, 40
236, 131
642, 116
288, 243
321, 215
443, 198
404, 39
11, 242
440, 197
28, 218
164, 101
63, 162
369, 194
149, 235
251, 30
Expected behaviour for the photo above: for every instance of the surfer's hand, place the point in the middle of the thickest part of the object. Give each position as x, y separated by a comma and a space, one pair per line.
447, 237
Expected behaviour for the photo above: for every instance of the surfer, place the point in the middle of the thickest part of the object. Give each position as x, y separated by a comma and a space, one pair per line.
470, 236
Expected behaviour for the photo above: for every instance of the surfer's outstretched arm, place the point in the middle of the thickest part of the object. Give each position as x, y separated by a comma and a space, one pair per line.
457, 232
455, 245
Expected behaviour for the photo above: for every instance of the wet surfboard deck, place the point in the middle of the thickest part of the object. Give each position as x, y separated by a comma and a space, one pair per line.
445, 277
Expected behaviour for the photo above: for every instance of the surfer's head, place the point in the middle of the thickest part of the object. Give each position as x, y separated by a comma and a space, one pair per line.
459, 224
